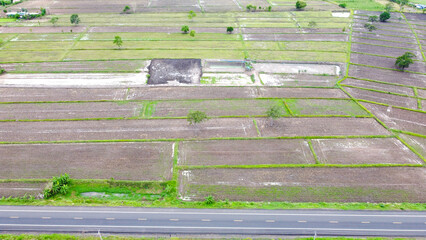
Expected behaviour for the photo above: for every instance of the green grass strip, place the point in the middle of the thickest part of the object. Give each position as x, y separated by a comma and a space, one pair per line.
411, 148
257, 128
419, 101
417, 38
385, 165
379, 91
385, 104
287, 108
313, 151
409, 133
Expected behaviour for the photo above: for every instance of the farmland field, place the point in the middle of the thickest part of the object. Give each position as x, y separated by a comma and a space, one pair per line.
349, 126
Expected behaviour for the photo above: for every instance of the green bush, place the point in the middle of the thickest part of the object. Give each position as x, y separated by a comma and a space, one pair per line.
404, 61
185, 29
370, 27
300, 5
384, 16
209, 200
372, 18
342, 5
58, 185
229, 29
192, 33
74, 19
2, 71
195, 117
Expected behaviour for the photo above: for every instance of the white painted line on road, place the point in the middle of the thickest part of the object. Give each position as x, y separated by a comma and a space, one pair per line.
238, 220
142, 219
219, 213
78, 218
15, 217
333, 221
270, 221
110, 218
365, 222
397, 222
174, 219
194, 227
205, 220
302, 221
45, 217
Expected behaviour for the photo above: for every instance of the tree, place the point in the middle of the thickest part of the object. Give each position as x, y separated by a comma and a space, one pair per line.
342, 5
195, 117
126, 9
384, 16
74, 19
192, 33
229, 30
372, 18
2, 71
370, 27
273, 113
54, 20
185, 29
269, 8
191, 14
300, 5
404, 61
118, 41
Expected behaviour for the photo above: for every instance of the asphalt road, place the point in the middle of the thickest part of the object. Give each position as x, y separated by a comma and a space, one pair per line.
212, 221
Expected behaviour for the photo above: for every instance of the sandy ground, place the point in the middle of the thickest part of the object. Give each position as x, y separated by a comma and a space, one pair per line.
297, 68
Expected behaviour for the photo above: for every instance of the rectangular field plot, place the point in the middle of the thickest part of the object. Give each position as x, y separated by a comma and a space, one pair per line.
325, 107
385, 51
292, 127
216, 107
245, 152
31, 56
149, 54
297, 56
30, 37
124, 161
161, 36
379, 97
364, 151
417, 143
385, 62
378, 86
36, 45
70, 110
398, 118
296, 37
298, 80
125, 129
391, 184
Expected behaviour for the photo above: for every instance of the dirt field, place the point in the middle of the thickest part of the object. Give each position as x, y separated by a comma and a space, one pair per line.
124, 161
319, 127
325, 107
298, 80
306, 184
379, 86
384, 62
364, 151
245, 152
21, 189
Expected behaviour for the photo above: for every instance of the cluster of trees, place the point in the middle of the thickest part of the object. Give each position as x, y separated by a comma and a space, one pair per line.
58, 185
383, 17
300, 5
252, 8
23, 14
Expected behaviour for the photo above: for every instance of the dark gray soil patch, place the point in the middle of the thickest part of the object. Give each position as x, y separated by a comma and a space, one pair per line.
379, 97
153, 29
385, 51
42, 29
385, 43
418, 143
296, 37
364, 151
375, 35
378, 86
398, 118
163, 71
124, 161
384, 62
246, 152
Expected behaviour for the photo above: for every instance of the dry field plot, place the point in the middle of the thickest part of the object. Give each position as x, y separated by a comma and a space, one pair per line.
21, 189
124, 161
306, 184
245, 152
379, 86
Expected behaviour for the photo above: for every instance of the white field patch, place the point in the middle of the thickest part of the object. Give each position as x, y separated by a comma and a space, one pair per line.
289, 80
297, 68
226, 79
73, 80
341, 14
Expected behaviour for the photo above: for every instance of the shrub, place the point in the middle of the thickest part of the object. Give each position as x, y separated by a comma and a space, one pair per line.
300, 5
117, 41
229, 29
126, 9
58, 185
2, 71
370, 27
269, 8
74, 19
251, 8
185, 29
404, 61
372, 18
54, 20
384, 16
342, 5
209, 200
192, 33
191, 14
195, 117
42, 11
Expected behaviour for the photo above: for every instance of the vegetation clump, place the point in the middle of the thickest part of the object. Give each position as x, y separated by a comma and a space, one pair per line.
185, 29
75, 19
191, 14
117, 41
342, 5
370, 27
229, 30
126, 9
404, 61
300, 5
195, 117
192, 33
209, 200
384, 16
372, 18
58, 185
54, 20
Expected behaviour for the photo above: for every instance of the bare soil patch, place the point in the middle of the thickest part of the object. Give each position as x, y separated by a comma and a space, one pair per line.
319, 107
384, 62
21, 189
394, 184
298, 80
124, 161
125, 129
422, 93
405, 78
163, 71
400, 28
386, 51
40, 29
384, 33
291, 127
364, 151
245, 152
418, 143
296, 37
300, 93
115, 29
378, 36
398, 118
386, 43
379, 86
379, 97
70, 110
